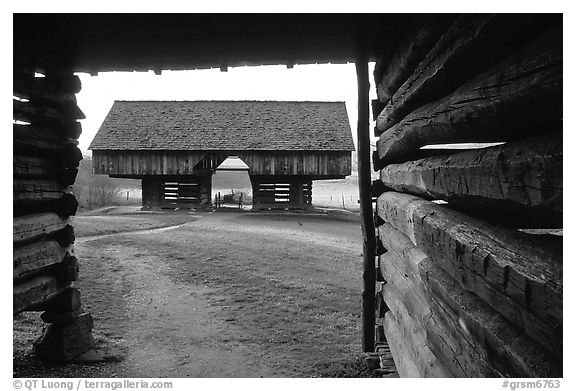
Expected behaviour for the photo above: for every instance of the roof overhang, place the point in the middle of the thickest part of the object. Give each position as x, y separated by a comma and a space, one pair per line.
125, 42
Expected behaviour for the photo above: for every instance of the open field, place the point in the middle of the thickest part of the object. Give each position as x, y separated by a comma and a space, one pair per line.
214, 295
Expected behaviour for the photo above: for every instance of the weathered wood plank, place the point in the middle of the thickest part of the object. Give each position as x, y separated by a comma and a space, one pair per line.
36, 190
509, 350
519, 277
413, 48
42, 113
519, 96
36, 225
472, 353
472, 44
30, 259
34, 139
518, 184
35, 292
419, 154
140, 163
403, 296
28, 167
64, 206
401, 270
399, 347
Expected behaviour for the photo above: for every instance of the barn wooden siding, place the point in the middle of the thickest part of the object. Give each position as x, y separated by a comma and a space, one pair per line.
135, 164
465, 291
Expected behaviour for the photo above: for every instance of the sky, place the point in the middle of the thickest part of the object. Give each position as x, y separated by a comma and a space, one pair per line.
316, 82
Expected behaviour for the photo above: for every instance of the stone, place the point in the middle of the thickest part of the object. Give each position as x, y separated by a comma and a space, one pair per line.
64, 342
373, 362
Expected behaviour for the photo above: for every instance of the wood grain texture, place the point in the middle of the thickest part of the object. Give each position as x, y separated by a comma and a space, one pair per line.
507, 349
462, 330
30, 259
32, 167
315, 163
518, 276
137, 163
423, 35
519, 96
471, 45
36, 225
35, 292
404, 296
36, 190
518, 184
46, 113
415, 334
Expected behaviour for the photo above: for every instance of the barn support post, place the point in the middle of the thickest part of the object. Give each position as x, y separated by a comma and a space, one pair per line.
367, 222
151, 192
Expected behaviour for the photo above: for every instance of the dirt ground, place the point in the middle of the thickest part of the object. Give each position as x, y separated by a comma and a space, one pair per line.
223, 294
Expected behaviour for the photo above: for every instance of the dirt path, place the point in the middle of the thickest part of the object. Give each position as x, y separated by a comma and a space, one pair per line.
227, 295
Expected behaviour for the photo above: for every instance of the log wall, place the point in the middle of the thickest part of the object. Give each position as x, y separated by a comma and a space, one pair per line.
277, 192
170, 192
466, 290
45, 162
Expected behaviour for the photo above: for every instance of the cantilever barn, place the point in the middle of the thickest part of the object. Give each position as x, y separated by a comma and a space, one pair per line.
462, 259
175, 147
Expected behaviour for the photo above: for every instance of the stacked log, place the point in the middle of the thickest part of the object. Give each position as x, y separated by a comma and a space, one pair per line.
45, 164
467, 291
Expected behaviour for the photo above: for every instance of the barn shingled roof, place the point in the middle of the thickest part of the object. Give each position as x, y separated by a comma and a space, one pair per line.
225, 125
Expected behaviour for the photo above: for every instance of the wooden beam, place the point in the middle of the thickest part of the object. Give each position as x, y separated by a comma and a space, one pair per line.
472, 44
42, 113
521, 94
35, 292
518, 184
475, 347
422, 36
34, 226
64, 206
404, 291
417, 348
399, 347
367, 224
36, 190
518, 276
28, 167
507, 349
32, 258
43, 138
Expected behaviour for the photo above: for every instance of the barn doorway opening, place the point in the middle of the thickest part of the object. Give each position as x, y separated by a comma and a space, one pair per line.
231, 185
